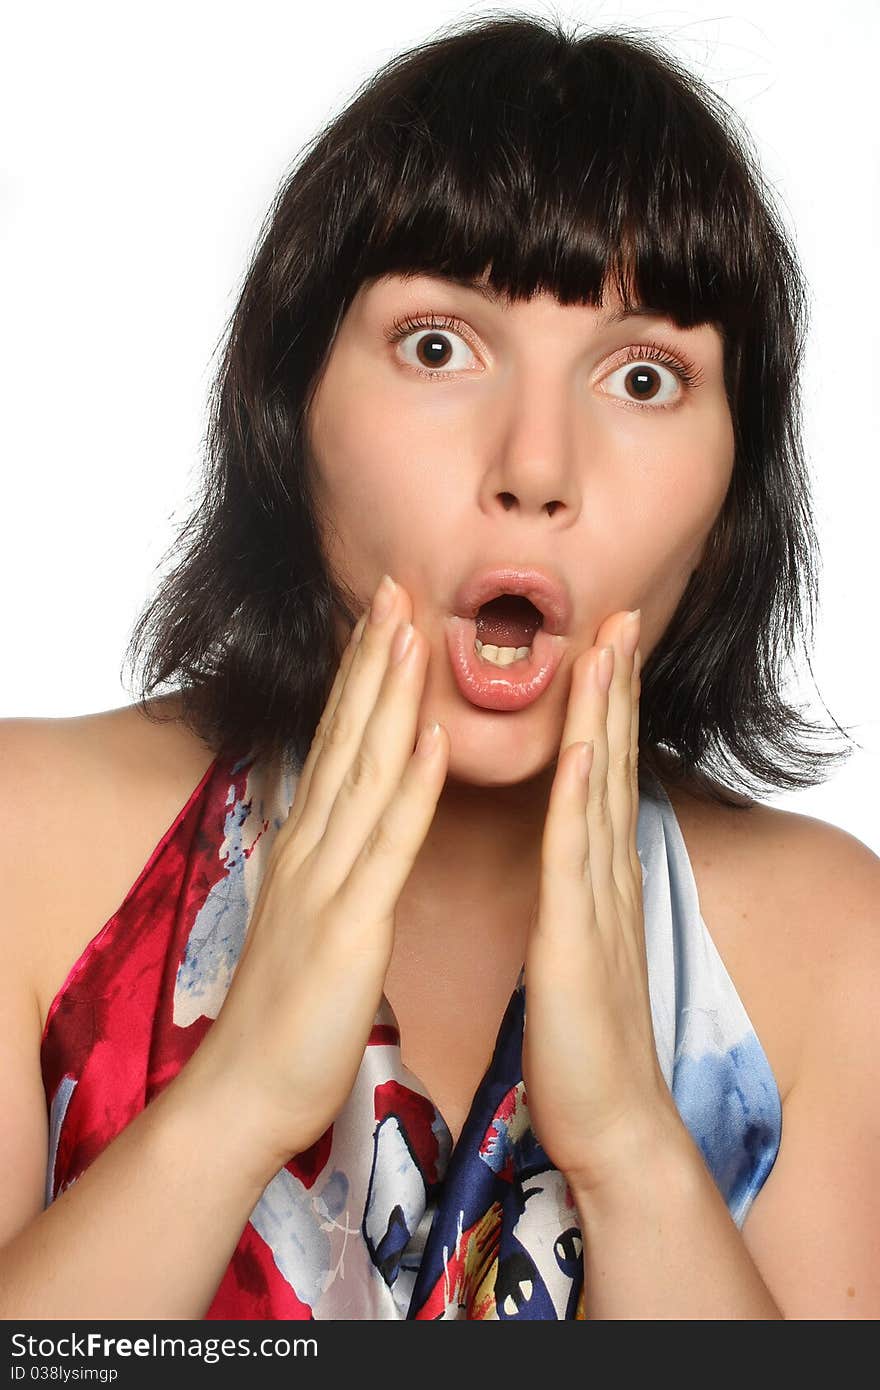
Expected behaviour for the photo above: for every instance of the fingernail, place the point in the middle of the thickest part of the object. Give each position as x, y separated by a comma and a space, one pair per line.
383, 600
631, 628
402, 643
585, 760
605, 668
427, 740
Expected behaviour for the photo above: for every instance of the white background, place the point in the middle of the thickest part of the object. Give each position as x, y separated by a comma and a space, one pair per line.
141, 149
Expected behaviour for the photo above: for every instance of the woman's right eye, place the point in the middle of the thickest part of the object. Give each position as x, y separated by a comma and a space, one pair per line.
433, 346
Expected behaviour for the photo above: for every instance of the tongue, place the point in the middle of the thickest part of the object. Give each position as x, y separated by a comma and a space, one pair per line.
508, 621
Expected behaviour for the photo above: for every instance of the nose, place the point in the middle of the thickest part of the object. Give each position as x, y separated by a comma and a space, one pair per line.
532, 459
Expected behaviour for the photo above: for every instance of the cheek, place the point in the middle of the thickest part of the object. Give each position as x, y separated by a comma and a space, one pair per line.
668, 527
356, 467
378, 441
363, 464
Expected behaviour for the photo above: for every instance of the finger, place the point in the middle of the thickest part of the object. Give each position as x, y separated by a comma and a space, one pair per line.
577, 727
339, 733
305, 776
566, 894
619, 752
367, 899
599, 826
374, 772
634, 765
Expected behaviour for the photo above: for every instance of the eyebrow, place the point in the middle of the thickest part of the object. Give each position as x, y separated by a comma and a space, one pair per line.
606, 320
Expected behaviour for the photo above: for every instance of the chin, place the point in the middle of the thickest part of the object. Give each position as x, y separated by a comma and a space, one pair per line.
478, 765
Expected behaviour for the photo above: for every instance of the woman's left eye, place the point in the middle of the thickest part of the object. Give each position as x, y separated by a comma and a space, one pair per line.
436, 339
652, 376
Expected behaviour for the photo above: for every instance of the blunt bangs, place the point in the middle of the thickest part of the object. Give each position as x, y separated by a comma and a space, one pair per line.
511, 153
580, 184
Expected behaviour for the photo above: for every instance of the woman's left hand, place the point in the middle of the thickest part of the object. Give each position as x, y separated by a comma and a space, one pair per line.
594, 1088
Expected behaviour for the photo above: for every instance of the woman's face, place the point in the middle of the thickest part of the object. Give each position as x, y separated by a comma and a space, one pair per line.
437, 455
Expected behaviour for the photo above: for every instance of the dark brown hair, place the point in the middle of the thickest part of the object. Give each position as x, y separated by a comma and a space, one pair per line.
562, 161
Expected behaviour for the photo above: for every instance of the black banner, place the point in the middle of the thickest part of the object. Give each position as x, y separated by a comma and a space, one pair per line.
128, 1355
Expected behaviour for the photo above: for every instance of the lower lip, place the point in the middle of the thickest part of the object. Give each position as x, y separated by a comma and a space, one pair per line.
510, 687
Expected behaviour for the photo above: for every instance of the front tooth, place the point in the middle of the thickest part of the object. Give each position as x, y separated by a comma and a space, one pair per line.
505, 655
500, 656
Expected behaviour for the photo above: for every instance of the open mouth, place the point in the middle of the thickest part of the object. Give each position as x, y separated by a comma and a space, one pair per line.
503, 658
507, 634
505, 629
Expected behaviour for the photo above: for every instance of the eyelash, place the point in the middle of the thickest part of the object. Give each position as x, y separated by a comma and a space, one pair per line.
682, 367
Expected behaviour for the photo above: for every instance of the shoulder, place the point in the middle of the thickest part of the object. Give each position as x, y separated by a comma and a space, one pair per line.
103, 739
87, 799
93, 796
791, 902
813, 879
793, 905
82, 776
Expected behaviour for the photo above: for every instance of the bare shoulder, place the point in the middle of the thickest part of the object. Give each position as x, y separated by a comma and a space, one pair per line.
790, 902
94, 795
793, 905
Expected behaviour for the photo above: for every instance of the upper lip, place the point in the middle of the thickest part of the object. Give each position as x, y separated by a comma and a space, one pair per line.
549, 594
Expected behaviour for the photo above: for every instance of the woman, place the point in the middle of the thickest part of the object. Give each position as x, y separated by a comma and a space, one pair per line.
413, 1010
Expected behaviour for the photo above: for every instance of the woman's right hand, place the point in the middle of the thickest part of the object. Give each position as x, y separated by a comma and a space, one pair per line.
303, 998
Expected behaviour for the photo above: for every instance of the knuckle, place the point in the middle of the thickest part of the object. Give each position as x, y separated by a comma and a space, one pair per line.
285, 859
621, 870
599, 798
279, 851
338, 730
620, 763
364, 769
379, 842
